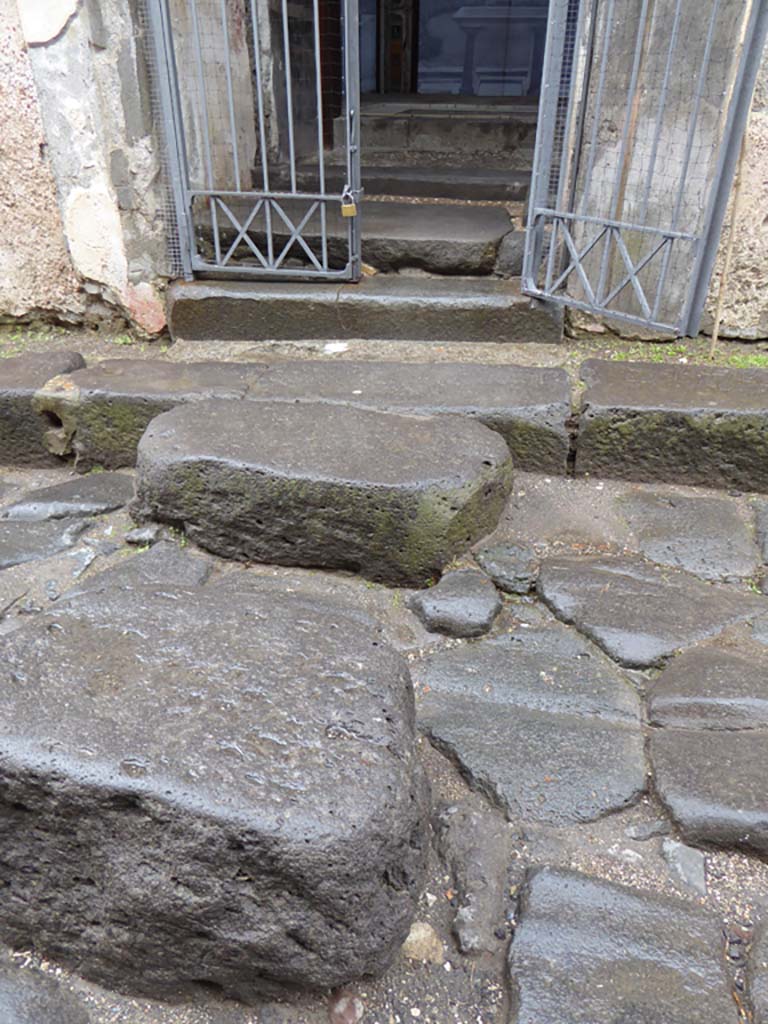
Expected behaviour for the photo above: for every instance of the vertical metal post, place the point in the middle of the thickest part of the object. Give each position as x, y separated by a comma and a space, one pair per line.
262, 131
230, 94
351, 38
173, 126
206, 129
738, 114
320, 132
289, 93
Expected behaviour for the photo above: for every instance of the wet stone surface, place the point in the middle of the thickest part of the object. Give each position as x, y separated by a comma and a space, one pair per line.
462, 604
22, 541
312, 485
537, 719
512, 567
28, 997
85, 496
639, 613
249, 820
588, 952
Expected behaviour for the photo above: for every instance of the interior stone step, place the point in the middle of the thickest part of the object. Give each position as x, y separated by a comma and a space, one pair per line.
440, 238
384, 307
389, 496
206, 789
104, 409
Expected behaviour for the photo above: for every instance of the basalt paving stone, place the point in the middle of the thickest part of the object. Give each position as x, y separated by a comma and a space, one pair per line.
512, 567
164, 562
682, 424
85, 496
591, 952
711, 688
462, 604
30, 541
713, 784
22, 431
198, 794
704, 536
27, 997
757, 975
539, 720
527, 405
100, 413
389, 496
761, 528
639, 613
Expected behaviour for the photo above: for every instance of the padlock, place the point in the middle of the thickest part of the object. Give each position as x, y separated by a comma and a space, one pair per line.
348, 204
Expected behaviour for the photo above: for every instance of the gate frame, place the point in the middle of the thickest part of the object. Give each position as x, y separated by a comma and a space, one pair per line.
706, 244
179, 183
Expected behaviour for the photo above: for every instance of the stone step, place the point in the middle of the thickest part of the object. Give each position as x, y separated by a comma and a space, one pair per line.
390, 307
391, 497
440, 238
207, 791
682, 424
105, 408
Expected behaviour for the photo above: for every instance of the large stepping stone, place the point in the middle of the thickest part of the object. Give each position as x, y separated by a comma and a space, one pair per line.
22, 542
99, 414
86, 496
591, 952
388, 496
27, 997
682, 424
709, 750
202, 794
22, 431
639, 613
705, 536
527, 405
539, 720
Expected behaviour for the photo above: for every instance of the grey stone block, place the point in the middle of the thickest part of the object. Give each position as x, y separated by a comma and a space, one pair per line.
591, 952
528, 405
202, 794
86, 496
100, 413
28, 997
463, 604
22, 430
682, 424
389, 496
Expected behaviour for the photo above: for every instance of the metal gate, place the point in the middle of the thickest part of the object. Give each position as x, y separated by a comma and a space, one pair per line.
644, 103
260, 108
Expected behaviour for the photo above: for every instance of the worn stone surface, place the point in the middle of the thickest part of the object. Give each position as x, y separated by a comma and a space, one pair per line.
712, 688
476, 847
27, 542
22, 431
102, 412
388, 307
757, 975
590, 952
713, 784
705, 536
537, 719
391, 497
761, 528
688, 864
27, 997
164, 562
512, 567
86, 496
463, 603
639, 613
509, 259
527, 405
683, 424
201, 794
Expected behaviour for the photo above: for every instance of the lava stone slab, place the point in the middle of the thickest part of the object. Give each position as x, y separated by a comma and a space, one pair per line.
22, 430
164, 562
539, 720
389, 496
705, 536
29, 542
86, 496
201, 794
527, 405
682, 424
27, 997
757, 975
512, 567
591, 952
639, 613
462, 604
99, 414
713, 784
711, 688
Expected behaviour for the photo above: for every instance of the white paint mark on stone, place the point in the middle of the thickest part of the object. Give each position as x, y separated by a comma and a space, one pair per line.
42, 20
335, 346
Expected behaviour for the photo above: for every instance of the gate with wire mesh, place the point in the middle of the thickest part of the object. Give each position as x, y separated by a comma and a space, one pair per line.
644, 103
260, 108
